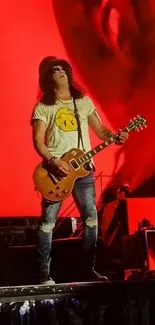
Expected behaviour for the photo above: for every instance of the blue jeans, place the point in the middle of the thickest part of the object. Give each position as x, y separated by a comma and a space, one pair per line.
84, 196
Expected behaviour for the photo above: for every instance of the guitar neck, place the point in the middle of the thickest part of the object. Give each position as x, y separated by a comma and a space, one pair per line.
87, 156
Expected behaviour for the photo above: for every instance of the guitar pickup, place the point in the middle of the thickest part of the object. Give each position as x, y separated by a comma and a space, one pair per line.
74, 164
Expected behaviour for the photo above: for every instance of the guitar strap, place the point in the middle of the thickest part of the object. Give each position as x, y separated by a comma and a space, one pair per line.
80, 137
89, 166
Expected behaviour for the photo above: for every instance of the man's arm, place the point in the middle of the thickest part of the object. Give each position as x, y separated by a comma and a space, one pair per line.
99, 129
39, 128
102, 132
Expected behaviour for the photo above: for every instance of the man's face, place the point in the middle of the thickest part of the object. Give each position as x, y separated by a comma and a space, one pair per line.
59, 75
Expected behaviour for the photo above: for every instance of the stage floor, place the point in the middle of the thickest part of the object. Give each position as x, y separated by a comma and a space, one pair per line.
89, 303
78, 289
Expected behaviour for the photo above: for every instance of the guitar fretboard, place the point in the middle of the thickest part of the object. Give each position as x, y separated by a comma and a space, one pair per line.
134, 124
87, 156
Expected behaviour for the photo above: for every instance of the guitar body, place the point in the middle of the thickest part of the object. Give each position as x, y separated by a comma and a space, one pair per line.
53, 188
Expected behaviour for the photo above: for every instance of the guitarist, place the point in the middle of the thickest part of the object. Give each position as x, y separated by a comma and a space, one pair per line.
60, 122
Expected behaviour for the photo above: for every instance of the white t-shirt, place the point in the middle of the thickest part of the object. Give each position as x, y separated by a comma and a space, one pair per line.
62, 131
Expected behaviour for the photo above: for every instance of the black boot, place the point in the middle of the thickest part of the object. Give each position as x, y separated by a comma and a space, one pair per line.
90, 273
95, 276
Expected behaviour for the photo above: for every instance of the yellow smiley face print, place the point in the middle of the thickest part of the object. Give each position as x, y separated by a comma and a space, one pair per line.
65, 120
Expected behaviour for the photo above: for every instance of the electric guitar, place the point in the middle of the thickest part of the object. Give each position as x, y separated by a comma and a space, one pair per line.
54, 188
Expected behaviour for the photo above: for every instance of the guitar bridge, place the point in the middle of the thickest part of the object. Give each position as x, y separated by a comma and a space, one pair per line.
54, 179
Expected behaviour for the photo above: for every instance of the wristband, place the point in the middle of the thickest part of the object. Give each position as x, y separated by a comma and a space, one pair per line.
51, 160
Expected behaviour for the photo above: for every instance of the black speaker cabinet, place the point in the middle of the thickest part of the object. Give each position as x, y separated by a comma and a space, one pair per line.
138, 251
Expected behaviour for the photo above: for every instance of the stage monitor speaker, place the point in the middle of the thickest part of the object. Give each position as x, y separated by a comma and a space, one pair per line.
138, 251
139, 209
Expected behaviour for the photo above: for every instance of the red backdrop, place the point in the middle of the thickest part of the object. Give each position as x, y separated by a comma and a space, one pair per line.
30, 30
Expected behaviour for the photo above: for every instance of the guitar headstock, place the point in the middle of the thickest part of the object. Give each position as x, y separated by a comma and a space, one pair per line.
137, 123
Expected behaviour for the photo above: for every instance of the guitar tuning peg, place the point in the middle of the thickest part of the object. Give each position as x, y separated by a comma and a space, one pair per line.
138, 116
142, 128
145, 126
134, 118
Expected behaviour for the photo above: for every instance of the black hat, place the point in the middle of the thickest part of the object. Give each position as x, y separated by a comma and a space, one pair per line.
49, 62
45, 64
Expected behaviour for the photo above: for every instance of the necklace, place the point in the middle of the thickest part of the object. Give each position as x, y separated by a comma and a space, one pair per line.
65, 102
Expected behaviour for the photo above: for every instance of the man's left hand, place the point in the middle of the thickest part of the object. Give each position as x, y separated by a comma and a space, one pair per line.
122, 137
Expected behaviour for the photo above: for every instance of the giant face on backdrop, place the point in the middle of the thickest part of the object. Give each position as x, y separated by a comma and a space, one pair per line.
111, 45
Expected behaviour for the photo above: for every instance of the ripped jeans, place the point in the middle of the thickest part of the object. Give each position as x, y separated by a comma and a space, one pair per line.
84, 197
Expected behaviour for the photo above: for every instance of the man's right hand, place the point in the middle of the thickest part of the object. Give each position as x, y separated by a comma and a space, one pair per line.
61, 166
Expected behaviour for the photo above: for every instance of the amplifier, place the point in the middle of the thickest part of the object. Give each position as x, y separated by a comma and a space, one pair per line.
138, 251
23, 230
